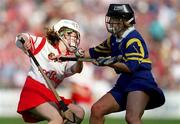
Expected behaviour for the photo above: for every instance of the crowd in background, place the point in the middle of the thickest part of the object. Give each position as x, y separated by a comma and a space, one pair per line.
157, 20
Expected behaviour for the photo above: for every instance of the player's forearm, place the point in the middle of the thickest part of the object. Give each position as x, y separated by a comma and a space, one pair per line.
120, 66
77, 67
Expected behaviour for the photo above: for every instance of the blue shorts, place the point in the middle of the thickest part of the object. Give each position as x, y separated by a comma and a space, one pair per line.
150, 88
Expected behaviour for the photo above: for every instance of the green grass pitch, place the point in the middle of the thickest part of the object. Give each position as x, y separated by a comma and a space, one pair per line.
108, 121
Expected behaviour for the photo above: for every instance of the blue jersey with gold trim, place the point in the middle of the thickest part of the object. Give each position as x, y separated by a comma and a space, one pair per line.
135, 55
132, 48
134, 51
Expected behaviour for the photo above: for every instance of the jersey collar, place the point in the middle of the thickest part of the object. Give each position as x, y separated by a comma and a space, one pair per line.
129, 30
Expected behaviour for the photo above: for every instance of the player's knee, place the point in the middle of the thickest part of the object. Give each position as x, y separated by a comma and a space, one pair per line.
132, 118
96, 110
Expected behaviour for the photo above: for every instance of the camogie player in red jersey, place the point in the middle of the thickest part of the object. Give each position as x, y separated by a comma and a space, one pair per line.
37, 102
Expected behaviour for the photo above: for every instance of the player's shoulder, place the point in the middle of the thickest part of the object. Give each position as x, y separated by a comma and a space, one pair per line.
134, 35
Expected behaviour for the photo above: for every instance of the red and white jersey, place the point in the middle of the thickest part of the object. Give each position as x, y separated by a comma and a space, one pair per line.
56, 71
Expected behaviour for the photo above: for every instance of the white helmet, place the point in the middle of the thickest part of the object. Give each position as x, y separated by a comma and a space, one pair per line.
67, 23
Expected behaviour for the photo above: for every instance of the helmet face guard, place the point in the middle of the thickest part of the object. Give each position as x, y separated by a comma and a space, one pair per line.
70, 38
68, 32
114, 25
117, 15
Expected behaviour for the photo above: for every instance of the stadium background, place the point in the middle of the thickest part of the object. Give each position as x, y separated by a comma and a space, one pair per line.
158, 22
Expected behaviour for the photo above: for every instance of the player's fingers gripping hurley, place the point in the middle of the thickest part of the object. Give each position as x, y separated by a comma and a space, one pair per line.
112, 60
68, 113
100, 61
74, 120
27, 44
105, 61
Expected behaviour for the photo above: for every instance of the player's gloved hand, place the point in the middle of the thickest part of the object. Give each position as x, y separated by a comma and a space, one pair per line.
105, 61
100, 61
79, 53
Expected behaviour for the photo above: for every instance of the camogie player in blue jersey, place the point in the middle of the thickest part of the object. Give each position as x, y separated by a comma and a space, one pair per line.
126, 52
